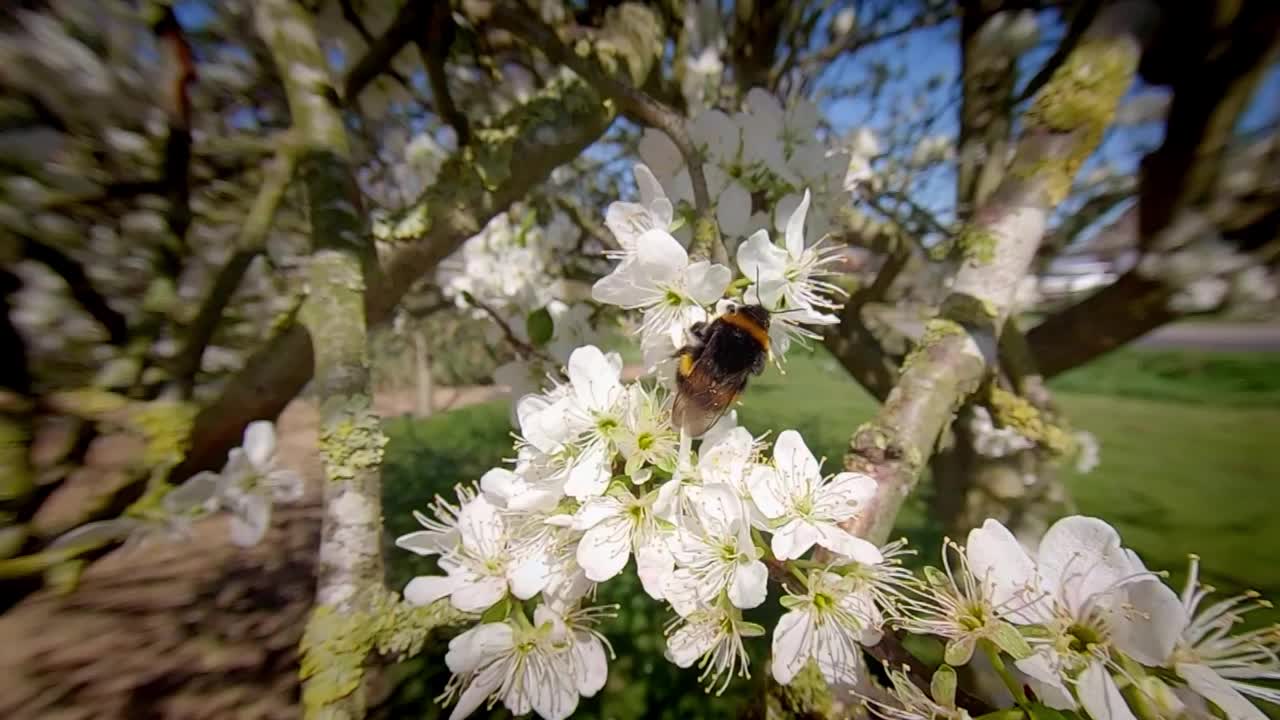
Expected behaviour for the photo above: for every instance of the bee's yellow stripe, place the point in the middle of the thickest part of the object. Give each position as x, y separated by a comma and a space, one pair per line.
739, 320
686, 364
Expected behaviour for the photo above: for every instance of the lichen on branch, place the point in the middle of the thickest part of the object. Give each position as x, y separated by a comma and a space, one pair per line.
1063, 127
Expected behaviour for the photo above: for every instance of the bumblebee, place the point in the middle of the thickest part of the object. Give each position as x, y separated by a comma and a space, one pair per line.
713, 371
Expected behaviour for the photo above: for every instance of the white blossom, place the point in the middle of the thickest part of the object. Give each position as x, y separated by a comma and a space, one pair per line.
542, 668
714, 554
647, 438
629, 221
712, 638
246, 487
480, 567
1093, 596
615, 525
828, 624
661, 280
802, 508
1224, 668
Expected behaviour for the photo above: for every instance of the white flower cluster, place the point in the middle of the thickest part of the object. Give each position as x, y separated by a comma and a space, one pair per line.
1204, 270
765, 150
656, 275
601, 477
1084, 618
247, 487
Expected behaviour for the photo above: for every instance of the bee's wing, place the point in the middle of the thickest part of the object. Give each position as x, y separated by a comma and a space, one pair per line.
695, 417
703, 393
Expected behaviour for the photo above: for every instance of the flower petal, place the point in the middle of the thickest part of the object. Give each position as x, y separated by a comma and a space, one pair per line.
660, 255
427, 542
795, 227
791, 645
845, 492
659, 153
627, 286
594, 378
482, 528
1081, 559
199, 491
719, 509
996, 557
484, 684
716, 131
604, 549
764, 484
591, 665
478, 593
795, 463
260, 443
250, 519
528, 576
750, 585
841, 541
594, 511
426, 589
1208, 684
1150, 631
733, 209
1046, 681
1100, 696
707, 281
690, 641
654, 565
589, 475
794, 539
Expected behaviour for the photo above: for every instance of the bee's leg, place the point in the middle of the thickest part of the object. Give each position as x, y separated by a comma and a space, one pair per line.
699, 330
758, 363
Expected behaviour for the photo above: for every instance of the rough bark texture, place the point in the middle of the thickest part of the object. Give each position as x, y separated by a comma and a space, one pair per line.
350, 560
1064, 124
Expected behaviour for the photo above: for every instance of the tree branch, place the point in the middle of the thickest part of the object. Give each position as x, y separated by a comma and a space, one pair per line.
638, 105
404, 27
854, 345
1084, 14
435, 50
249, 243
957, 350
508, 158
80, 287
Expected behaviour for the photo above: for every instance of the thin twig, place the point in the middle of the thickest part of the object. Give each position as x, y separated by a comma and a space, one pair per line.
632, 102
1084, 15
524, 349
252, 239
81, 288
407, 22
435, 50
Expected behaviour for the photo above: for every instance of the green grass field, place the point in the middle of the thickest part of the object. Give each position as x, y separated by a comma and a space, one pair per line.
1189, 464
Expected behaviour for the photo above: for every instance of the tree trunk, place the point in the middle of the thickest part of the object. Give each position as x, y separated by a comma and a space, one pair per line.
423, 383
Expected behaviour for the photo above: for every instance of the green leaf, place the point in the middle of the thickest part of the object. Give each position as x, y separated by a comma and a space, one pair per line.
959, 650
934, 576
1039, 711
498, 611
943, 686
1006, 714
925, 648
1007, 638
539, 326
